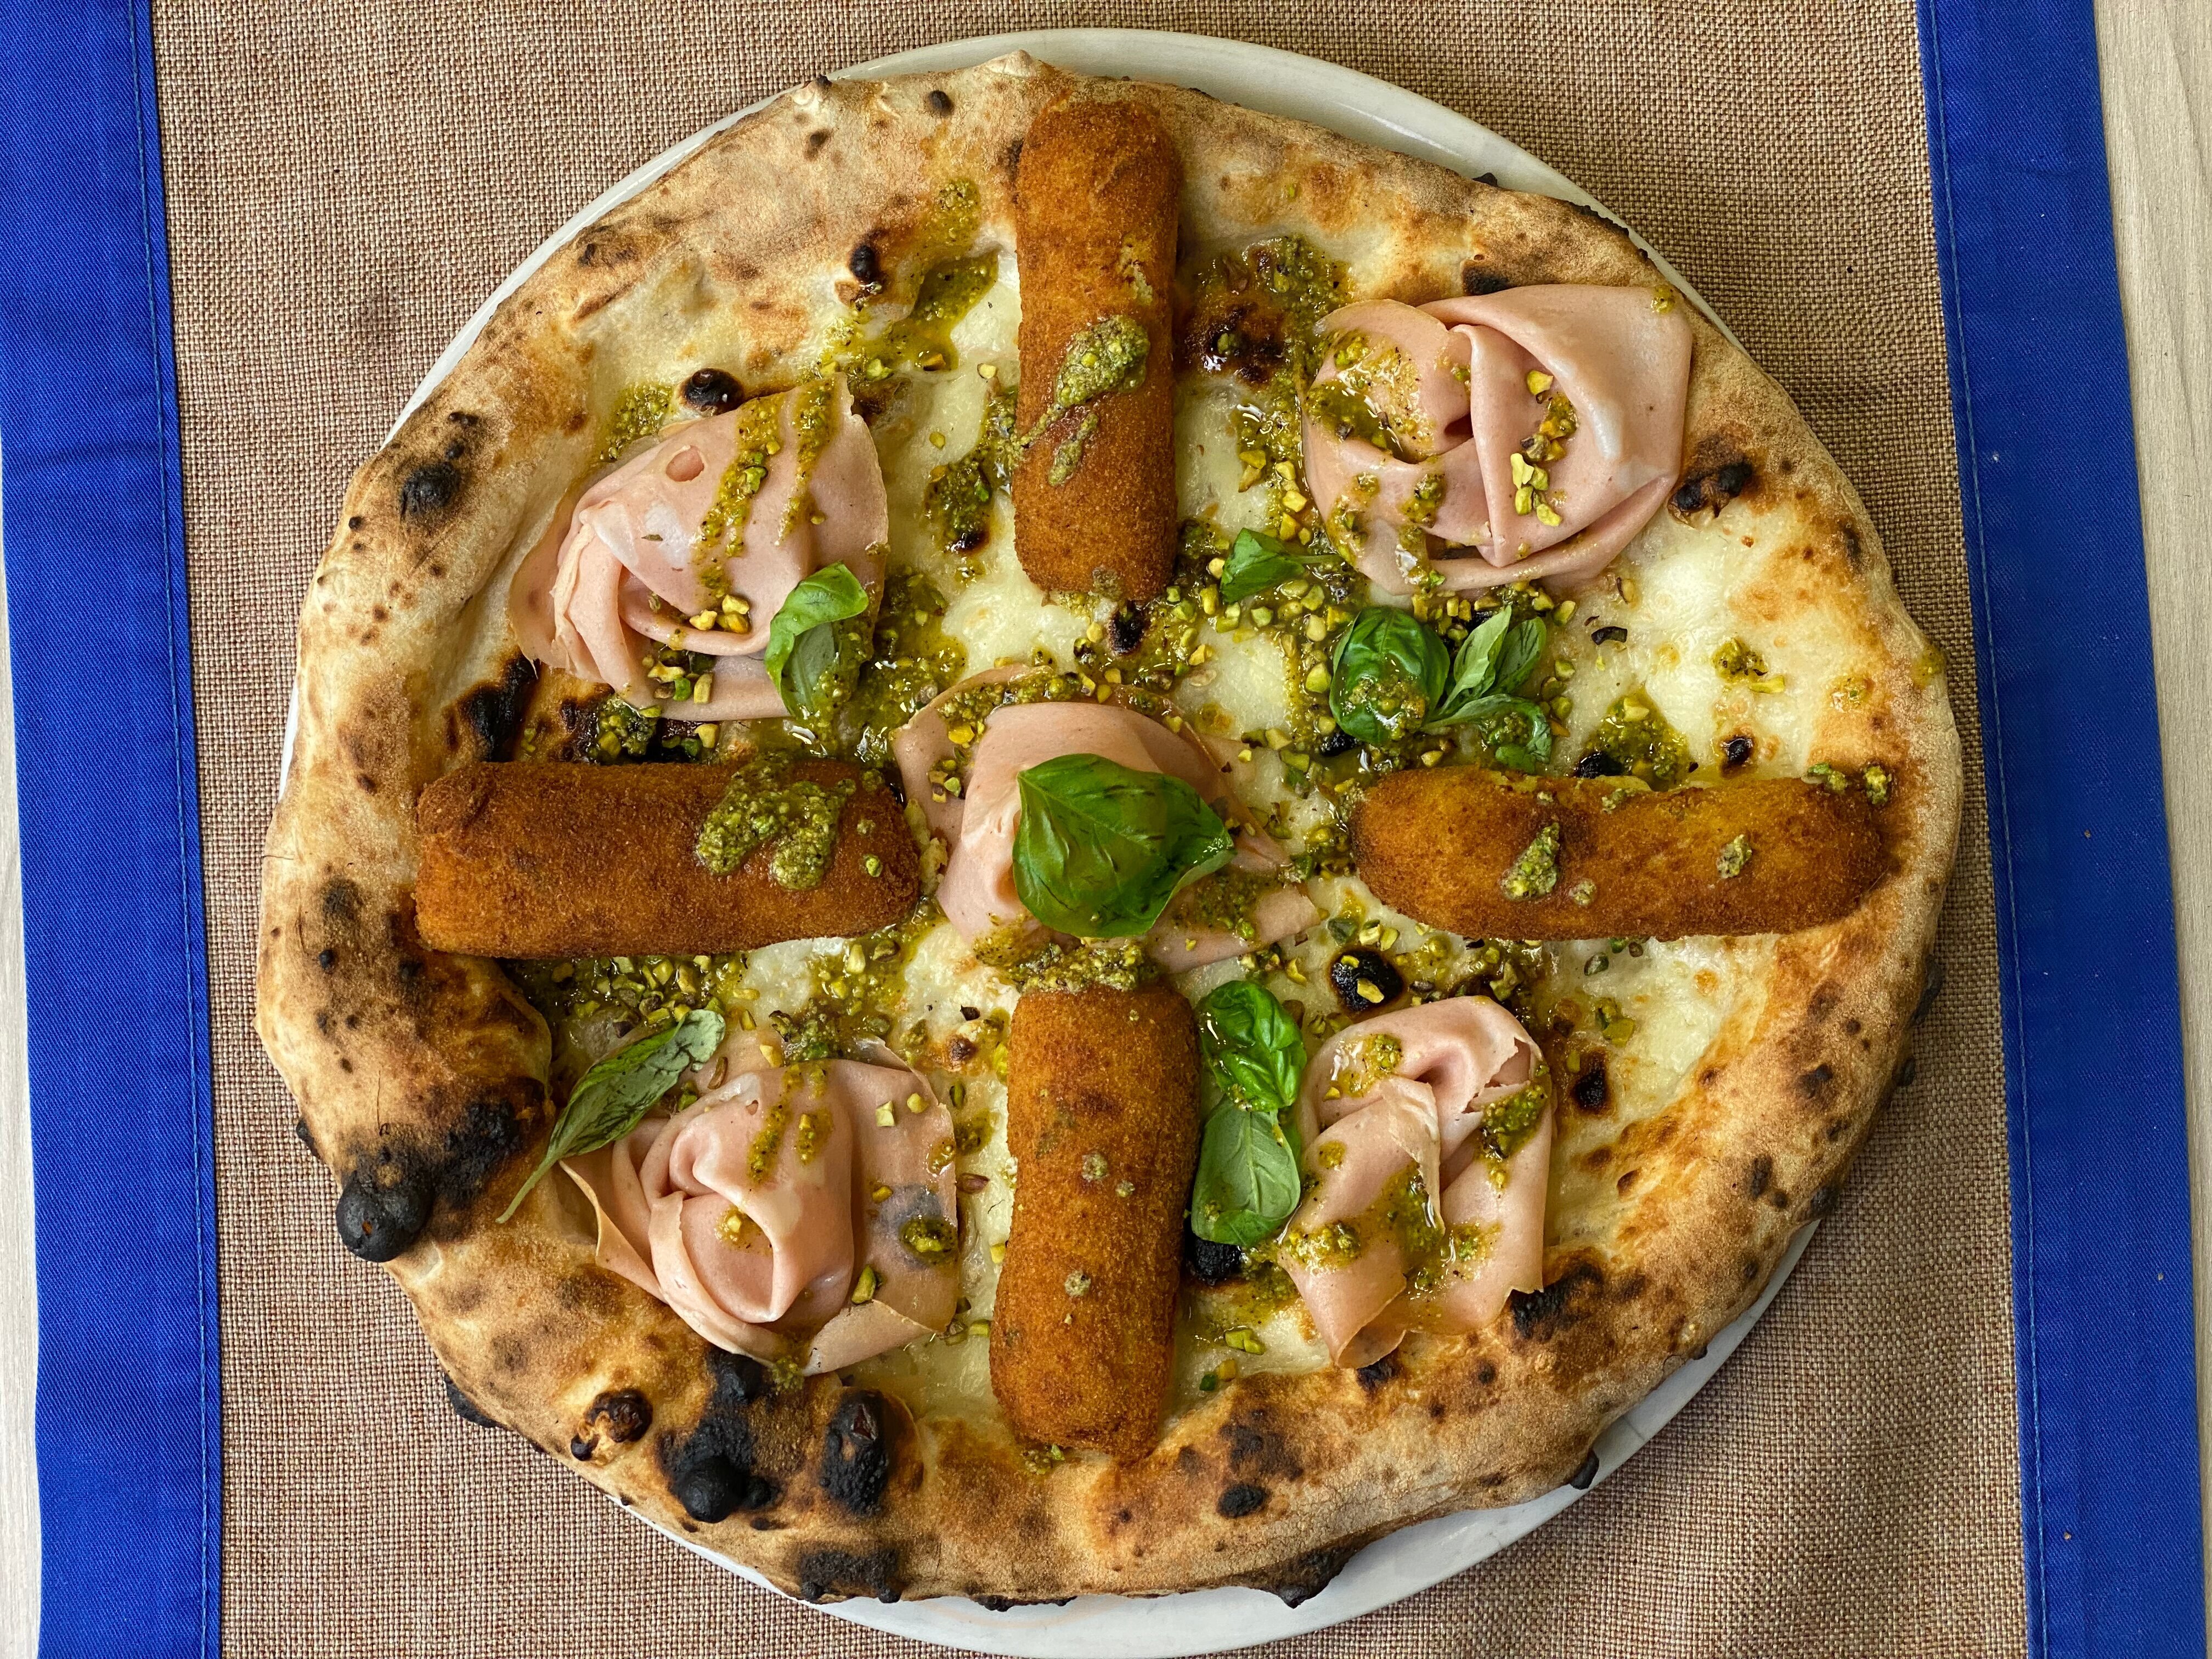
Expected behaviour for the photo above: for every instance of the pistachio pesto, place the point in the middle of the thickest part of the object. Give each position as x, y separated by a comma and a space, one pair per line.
923, 338
1537, 871
1638, 739
765, 804
639, 414
1107, 357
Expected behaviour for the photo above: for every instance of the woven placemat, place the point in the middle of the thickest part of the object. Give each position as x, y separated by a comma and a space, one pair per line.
346, 181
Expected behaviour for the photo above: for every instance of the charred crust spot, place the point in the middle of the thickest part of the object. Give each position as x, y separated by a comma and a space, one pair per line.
866, 265
490, 1132
455, 450
856, 1453
327, 960
1705, 492
1474, 279
1735, 753
1814, 1085
1931, 986
427, 490
1245, 1497
1590, 1089
1210, 1263
305, 1135
1437, 1410
939, 101
492, 713
466, 1408
712, 391
1585, 1472
1762, 1174
1823, 1200
1299, 1582
341, 902
1751, 1270
1822, 1003
382, 1209
355, 522
816, 139
831, 1574
1255, 1448
622, 1415
710, 1470
1540, 1316
1485, 1373
1375, 1374
1908, 1069
367, 783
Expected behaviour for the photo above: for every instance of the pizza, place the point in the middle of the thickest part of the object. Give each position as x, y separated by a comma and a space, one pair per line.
1048, 838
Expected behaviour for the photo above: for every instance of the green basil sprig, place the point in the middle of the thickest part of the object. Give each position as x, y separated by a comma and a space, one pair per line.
1393, 677
1389, 672
612, 1098
1248, 1181
1101, 849
1251, 1046
1258, 562
803, 640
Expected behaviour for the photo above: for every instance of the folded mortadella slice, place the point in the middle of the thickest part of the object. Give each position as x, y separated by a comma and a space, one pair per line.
1412, 1218
740, 506
761, 1211
1587, 384
979, 824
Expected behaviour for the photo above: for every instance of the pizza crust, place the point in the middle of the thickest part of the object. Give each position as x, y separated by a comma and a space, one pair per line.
422, 1078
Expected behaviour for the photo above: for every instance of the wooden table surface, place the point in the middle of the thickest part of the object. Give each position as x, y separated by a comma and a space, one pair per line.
2156, 67
2156, 62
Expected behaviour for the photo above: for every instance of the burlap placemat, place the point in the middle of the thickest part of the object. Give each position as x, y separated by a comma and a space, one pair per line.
346, 180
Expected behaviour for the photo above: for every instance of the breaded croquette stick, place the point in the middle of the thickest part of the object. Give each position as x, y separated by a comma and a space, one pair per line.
563, 859
1101, 1119
1497, 857
1097, 194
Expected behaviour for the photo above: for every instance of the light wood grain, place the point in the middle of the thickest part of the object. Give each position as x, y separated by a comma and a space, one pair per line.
2156, 66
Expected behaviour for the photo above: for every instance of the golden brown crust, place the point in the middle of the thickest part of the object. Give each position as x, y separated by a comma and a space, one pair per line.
1095, 205
421, 1076
522, 860
1101, 1119
1443, 845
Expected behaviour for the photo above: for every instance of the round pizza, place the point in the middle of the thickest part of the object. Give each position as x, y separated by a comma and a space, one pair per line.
1047, 838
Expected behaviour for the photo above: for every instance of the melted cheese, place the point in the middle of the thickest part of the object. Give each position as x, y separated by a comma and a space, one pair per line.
1692, 591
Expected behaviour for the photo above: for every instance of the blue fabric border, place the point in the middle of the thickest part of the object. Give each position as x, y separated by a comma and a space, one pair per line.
2103, 1314
122, 1114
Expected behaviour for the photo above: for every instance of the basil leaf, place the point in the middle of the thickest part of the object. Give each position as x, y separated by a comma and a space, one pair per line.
1248, 1179
1252, 1046
1257, 561
612, 1098
802, 640
1490, 711
1524, 646
1101, 849
1475, 669
1388, 672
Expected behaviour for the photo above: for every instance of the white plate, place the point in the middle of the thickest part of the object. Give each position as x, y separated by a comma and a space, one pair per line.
1207, 1621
